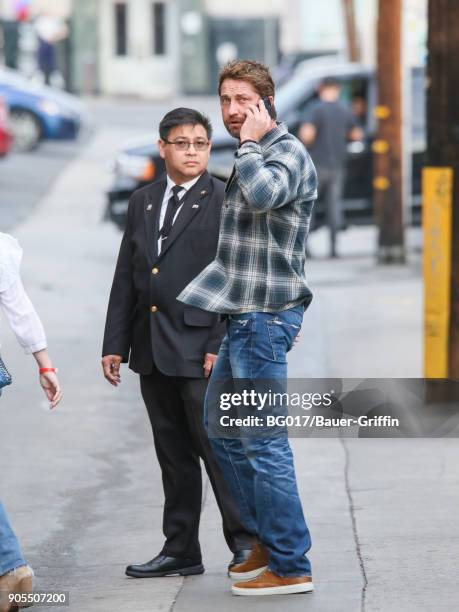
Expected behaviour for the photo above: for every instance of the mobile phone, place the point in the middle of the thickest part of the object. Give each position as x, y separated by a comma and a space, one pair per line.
269, 107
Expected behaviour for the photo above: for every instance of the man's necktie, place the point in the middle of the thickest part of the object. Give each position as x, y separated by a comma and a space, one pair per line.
172, 206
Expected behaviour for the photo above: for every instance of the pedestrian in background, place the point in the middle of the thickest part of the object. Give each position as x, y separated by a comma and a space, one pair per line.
50, 30
15, 575
325, 131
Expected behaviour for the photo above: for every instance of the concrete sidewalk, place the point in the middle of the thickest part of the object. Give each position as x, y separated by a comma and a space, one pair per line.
83, 487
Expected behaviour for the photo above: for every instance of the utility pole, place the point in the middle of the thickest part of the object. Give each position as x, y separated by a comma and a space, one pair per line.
387, 147
351, 31
441, 194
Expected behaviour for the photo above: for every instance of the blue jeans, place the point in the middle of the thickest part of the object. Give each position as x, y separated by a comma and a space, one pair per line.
10, 552
11, 556
260, 470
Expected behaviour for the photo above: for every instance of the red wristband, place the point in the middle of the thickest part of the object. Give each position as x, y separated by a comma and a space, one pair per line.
42, 370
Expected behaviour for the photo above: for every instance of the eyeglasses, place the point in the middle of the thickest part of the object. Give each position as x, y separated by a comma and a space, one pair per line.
184, 145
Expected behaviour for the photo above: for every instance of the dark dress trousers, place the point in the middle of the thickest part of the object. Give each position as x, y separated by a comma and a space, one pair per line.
165, 341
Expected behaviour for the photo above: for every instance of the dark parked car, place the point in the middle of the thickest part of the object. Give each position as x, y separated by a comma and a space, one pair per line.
138, 165
285, 69
38, 112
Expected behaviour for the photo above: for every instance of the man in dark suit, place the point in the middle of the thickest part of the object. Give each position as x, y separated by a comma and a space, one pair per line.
171, 235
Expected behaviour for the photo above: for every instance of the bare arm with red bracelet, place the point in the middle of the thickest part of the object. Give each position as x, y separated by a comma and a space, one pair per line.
48, 378
23, 318
30, 334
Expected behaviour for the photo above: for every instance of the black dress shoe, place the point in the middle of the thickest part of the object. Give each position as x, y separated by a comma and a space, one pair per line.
165, 566
239, 557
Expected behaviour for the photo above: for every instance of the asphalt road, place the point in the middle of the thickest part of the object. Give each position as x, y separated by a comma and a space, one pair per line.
26, 177
134, 114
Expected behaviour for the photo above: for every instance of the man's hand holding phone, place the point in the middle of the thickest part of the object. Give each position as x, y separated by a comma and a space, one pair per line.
257, 123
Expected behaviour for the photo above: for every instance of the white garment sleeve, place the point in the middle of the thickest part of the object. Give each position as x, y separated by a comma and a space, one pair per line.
23, 318
19, 311
10, 260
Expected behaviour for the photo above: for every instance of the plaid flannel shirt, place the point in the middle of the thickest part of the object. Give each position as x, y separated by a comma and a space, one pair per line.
261, 253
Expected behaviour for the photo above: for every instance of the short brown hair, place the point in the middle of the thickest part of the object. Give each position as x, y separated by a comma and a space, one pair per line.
255, 73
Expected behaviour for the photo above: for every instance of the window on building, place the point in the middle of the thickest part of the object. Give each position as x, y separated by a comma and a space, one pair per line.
120, 28
159, 28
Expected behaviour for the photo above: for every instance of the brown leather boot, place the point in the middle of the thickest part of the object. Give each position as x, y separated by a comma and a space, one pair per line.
19, 581
254, 566
269, 583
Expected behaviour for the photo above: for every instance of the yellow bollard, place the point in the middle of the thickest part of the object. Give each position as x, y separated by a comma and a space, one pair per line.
437, 186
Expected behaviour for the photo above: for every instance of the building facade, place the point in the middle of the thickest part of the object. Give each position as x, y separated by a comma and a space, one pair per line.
138, 51
157, 49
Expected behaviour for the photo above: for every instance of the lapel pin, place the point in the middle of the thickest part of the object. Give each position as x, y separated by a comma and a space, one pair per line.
149, 207
203, 192
195, 206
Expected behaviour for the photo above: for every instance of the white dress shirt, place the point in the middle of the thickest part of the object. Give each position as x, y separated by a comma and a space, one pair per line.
16, 305
167, 194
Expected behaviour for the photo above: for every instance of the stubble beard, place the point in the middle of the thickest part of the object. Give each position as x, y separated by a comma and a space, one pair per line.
234, 132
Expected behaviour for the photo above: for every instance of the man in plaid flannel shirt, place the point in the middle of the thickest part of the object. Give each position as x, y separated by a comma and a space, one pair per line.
257, 279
